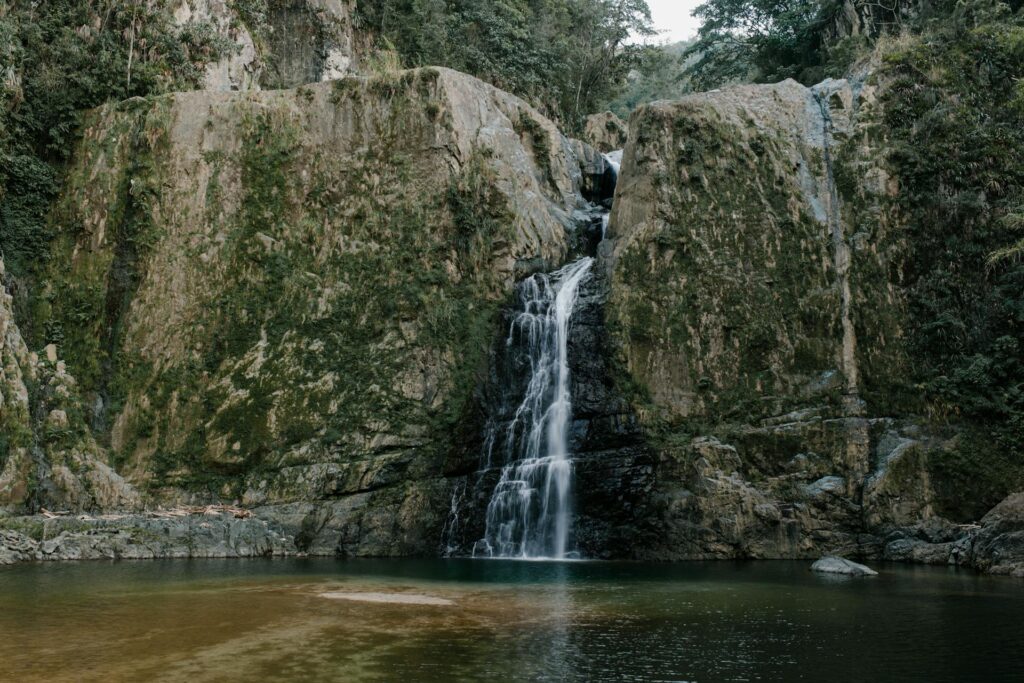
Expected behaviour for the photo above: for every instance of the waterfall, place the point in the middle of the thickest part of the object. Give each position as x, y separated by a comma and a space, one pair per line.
529, 513
614, 160
525, 474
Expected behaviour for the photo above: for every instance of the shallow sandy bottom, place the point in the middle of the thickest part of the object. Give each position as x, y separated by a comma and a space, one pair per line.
448, 621
394, 598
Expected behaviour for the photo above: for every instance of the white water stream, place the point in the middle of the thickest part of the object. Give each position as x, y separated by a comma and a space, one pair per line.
529, 512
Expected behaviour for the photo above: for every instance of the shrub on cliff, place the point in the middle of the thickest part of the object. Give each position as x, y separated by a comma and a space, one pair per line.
59, 58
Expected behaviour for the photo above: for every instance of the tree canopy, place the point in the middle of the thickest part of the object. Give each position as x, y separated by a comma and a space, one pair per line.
567, 57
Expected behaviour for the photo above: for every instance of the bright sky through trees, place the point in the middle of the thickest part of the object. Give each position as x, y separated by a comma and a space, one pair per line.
672, 19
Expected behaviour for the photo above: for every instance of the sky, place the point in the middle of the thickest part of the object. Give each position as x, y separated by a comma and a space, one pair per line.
672, 19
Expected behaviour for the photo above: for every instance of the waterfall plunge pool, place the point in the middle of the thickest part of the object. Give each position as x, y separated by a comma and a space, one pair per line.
465, 620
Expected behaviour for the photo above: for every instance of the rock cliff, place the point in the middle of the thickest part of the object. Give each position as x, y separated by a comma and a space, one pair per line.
287, 298
756, 304
276, 44
292, 300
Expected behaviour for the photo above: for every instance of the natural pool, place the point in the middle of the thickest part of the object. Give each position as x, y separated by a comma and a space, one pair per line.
253, 620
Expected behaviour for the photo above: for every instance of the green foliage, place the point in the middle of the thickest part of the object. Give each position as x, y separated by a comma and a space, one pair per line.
566, 56
661, 73
958, 152
983, 466
765, 40
62, 57
768, 41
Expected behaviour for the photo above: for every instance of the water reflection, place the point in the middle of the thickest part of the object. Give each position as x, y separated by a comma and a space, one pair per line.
508, 620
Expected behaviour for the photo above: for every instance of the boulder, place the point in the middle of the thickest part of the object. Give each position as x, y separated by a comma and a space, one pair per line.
605, 132
839, 565
998, 546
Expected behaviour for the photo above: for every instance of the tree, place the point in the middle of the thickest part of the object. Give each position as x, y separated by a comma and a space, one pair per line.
565, 56
766, 40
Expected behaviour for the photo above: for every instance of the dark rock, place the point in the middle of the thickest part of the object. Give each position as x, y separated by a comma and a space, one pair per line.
998, 547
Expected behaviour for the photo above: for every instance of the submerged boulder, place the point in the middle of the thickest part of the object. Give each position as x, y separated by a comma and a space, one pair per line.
839, 565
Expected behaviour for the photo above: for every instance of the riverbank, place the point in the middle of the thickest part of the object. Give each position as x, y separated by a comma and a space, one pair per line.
995, 546
211, 532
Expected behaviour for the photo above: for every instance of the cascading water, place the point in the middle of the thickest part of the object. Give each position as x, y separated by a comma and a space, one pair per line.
529, 512
526, 466
613, 162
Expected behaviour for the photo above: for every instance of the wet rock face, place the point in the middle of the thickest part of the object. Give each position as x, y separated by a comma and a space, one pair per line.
613, 463
598, 177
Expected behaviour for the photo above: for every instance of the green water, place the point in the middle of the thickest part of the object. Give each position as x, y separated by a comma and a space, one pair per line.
254, 620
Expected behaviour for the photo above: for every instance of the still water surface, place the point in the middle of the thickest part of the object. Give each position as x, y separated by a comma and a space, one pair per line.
253, 620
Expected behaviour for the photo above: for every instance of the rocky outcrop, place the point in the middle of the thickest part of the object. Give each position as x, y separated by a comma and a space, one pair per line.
605, 132
994, 545
48, 457
998, 546
287, 298
759, 340
276, 44
140, 537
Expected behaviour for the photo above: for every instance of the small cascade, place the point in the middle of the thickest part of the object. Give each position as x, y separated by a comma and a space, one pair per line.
614, 161
529, 513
